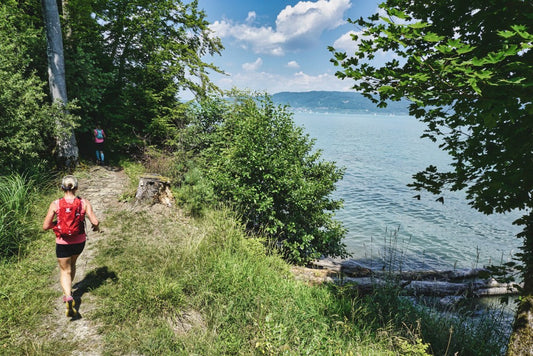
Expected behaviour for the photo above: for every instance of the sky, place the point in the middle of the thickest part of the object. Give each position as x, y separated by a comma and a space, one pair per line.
273, 46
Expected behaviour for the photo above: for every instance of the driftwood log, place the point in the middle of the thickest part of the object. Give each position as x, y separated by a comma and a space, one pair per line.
475, 282
434, 288
154, 189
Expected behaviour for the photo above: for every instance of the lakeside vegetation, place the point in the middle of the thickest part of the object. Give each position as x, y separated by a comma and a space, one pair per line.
251, 182
169, 283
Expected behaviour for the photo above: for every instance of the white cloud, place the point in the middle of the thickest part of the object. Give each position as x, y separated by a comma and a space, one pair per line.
293, 64
297, 27
308, 18
346, 43
274, 83
250, 67
251, 17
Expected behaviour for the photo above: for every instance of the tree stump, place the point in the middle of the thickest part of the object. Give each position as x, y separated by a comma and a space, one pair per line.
154, 189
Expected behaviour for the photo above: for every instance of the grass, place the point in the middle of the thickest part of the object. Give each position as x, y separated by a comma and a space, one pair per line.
202, 287
15, 203
170, 284
25, 293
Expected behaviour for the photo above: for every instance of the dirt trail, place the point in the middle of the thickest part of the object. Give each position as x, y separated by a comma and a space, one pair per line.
102, 187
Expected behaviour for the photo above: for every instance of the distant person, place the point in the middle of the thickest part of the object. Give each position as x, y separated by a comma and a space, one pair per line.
69, 228
99, 138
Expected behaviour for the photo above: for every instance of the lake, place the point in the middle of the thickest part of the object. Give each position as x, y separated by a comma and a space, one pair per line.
380, 154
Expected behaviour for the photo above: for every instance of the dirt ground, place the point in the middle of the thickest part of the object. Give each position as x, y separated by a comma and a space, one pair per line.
102, 186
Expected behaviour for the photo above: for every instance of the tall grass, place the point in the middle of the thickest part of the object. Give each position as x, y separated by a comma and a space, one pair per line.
448, 329
15, 203
25, 293
180, 286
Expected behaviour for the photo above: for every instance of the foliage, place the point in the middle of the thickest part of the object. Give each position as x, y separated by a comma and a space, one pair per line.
126, 64
473, 91
472, 88
466, 66
265, 167
26, 121
130, 60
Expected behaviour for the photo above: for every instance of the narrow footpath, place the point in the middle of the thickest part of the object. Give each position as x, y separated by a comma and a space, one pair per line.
102, 186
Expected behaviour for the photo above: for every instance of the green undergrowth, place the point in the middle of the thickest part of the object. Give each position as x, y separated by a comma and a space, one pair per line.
170, 285
167, 283
26, 295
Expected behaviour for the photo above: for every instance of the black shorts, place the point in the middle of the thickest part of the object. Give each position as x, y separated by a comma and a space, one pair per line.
99, 146
63, 251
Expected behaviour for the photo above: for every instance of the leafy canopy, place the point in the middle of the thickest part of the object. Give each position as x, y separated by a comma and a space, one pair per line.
156, 49
466, 67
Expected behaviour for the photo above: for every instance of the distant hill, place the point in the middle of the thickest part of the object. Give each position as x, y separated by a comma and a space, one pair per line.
335, 101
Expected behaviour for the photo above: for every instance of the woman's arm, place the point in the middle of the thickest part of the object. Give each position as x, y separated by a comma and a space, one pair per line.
90, 214
48, 220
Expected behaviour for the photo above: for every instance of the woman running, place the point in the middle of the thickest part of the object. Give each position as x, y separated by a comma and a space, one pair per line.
69, 228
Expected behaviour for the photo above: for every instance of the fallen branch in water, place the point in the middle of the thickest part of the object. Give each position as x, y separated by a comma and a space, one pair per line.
475, 282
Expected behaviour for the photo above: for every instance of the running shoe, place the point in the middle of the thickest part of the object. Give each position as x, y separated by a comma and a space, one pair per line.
70, 311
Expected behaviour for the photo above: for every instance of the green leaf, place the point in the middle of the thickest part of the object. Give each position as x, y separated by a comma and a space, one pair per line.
473, 84
418, 25
506, 34
396, 13
385, 89
465, 49
433, 37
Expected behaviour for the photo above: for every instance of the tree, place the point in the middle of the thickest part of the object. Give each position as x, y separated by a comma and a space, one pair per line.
466, 67
264, 166
67, 147
137, 57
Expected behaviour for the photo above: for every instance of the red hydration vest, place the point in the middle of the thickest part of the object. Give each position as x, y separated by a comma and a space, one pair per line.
70, 218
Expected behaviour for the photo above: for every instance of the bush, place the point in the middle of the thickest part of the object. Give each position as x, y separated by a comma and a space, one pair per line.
264, 166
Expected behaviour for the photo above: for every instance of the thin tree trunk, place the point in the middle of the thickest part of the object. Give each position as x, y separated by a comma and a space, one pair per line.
521, 342
67, 147
66, 18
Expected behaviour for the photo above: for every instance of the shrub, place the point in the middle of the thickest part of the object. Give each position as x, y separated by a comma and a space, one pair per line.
265, 167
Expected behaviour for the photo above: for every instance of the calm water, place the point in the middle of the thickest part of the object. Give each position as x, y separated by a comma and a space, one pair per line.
380, 154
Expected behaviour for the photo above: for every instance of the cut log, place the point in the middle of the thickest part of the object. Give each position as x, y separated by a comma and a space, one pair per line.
352, 268
458, 282
154, 189
475, 288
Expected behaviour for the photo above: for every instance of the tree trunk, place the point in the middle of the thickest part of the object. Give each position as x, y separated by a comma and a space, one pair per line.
466, 282
67, 147
66, 18
154, 189
521, 341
